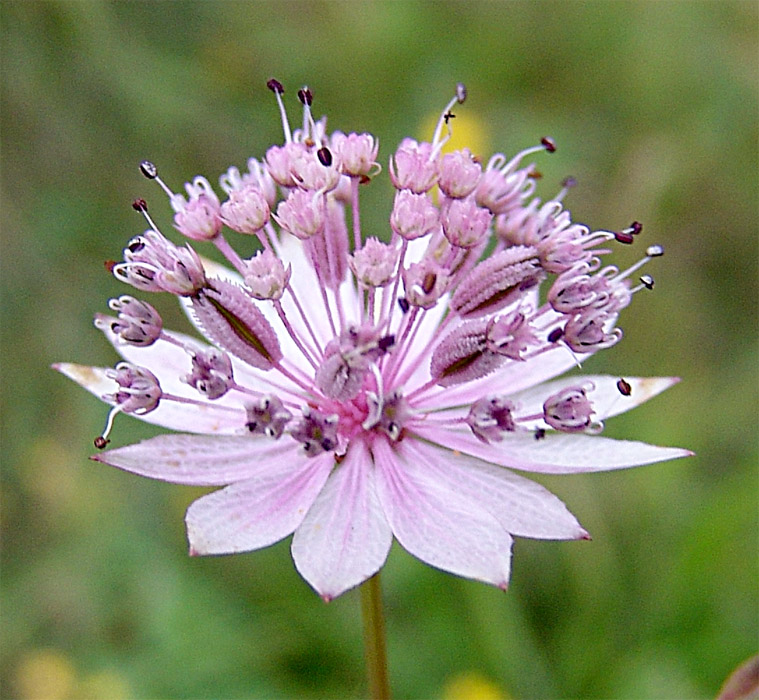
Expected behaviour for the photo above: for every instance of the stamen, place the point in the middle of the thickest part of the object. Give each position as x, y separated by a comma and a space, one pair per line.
445, 117
276, 87
624, 387
646, 282
310, 133
150, 171
102, 440
653, 251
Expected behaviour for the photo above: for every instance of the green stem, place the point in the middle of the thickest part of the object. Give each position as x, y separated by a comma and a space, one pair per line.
374, 638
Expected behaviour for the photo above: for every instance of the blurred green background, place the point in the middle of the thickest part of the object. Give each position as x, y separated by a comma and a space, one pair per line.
654, 107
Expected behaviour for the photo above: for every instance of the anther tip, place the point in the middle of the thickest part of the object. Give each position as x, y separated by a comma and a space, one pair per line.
275, 86
624, 387
647, 281
555, 335
655, 251
460, 93
306, 96
548, 143
623, 237
148, 169
569, 182
140, 205
325, 156
636, 227
100, 442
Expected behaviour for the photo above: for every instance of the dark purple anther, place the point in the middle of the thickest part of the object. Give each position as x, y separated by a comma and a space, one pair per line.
275, 86
325, 156
623, 237
100, 442
403, 303
140, 205
636, 227
555, 335
624, 387
306, 96
548, 143
386, 342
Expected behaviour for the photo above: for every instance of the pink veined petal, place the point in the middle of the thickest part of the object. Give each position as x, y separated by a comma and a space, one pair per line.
207, 418
345, 537
606, 398
440, 526
200, 460
523, 507
259, 511
556, 453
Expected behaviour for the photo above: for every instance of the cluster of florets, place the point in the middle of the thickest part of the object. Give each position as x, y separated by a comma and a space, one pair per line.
353, 389
467, 244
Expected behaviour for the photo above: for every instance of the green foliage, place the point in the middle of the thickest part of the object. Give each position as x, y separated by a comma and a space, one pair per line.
654, 108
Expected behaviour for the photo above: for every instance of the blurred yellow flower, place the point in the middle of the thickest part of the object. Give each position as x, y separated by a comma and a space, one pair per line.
472, 685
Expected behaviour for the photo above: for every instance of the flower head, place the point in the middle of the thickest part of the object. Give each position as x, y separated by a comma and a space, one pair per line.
352, 391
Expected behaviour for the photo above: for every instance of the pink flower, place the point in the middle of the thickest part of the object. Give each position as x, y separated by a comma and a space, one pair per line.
334, 403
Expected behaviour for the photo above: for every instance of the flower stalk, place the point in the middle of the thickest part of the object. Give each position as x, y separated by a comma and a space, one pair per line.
374, 638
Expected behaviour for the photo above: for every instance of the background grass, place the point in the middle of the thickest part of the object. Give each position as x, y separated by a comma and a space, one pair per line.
654, 108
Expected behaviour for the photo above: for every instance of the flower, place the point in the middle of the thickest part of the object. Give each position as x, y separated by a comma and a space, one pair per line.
352, 391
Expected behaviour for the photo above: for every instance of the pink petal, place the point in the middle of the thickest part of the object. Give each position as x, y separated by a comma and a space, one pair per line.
523, 507
344, 538
259, 511
437, 524
556, 453
207, 418
200, 460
